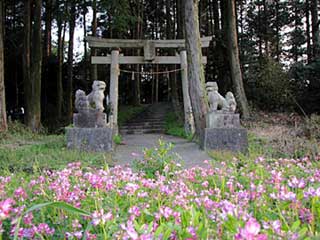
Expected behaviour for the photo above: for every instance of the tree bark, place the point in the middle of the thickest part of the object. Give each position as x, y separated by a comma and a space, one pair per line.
195, 67
308, 33
234, 61
47, 34
32, 65
59, 94
94, 69
315, 28
3, 115
85, 57
69, 83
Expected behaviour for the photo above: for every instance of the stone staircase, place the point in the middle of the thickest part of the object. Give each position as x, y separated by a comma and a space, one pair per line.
151, 120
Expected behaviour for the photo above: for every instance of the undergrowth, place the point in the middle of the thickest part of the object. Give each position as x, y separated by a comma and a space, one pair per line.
174, 126
127, 112
22, 150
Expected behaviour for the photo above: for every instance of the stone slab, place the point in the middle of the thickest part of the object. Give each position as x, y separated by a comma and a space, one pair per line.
90, 139
229, 139
220, 119
90, 119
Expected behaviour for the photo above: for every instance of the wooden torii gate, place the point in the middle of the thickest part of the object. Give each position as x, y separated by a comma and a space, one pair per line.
149, 46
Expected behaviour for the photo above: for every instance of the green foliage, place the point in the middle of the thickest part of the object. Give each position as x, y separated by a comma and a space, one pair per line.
174, 127
157, 160
127, 112
269, 87
117, 16
306, 80
117, 139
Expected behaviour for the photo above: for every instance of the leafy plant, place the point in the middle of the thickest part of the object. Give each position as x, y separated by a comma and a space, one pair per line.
157, 160
117, 139
174, 127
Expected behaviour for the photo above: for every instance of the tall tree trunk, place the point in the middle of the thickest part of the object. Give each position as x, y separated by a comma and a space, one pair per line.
233, 53
26, 61
172, 76
295, 47
266, 27
47, 34
94, 67
60, 56
69, 83
278, 50
85, 44
137, 93
46, 53
195, 67
32, 65
308, 33
315, 28
3, 116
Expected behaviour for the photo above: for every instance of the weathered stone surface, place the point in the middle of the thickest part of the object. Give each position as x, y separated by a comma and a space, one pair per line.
230, 139
218, 102
90, 139
90, 119
220, 119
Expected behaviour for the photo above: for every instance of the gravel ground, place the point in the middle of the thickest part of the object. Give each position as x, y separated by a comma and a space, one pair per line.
133, 146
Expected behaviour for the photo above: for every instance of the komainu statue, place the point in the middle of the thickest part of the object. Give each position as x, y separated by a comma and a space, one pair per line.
231, 101
218, 102
81, 101
96, 97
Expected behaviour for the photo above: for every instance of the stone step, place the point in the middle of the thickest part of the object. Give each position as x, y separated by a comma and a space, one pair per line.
152, 120
137, 126
146, 123
142, 131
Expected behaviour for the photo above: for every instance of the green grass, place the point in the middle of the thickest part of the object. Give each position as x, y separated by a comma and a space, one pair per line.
22, 150
127, 112
260, 147
175, 127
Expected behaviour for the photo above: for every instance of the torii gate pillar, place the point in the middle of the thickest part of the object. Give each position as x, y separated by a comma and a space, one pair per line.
114, 89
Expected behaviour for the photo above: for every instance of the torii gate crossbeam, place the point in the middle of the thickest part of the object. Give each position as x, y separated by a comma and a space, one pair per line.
149, 46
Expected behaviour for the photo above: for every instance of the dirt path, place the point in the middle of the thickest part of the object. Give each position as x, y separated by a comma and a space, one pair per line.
190, 152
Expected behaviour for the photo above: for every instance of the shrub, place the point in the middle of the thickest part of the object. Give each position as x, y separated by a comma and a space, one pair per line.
117, 139
175, 127
157, 160
269, 87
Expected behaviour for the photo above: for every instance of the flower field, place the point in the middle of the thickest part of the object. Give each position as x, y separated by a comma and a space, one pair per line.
238, 199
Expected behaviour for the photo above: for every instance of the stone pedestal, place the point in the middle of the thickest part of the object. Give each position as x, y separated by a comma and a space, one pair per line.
224, 132
90, 119
90, 139
229, 139
221, 119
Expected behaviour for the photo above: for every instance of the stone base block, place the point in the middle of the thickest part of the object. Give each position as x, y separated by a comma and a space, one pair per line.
90, 139
90, 119
220, 119
230, 139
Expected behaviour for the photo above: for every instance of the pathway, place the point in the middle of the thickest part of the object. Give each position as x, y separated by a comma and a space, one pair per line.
134, 144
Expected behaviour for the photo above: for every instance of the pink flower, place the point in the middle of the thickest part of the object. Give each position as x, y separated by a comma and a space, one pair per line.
130, 230
252, 227
20, 193
44, 229
27, 219
98, 217
134, 210
6, 208
251, 231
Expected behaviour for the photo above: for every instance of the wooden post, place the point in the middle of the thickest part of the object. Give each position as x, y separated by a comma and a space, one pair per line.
114, 82
188, 115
